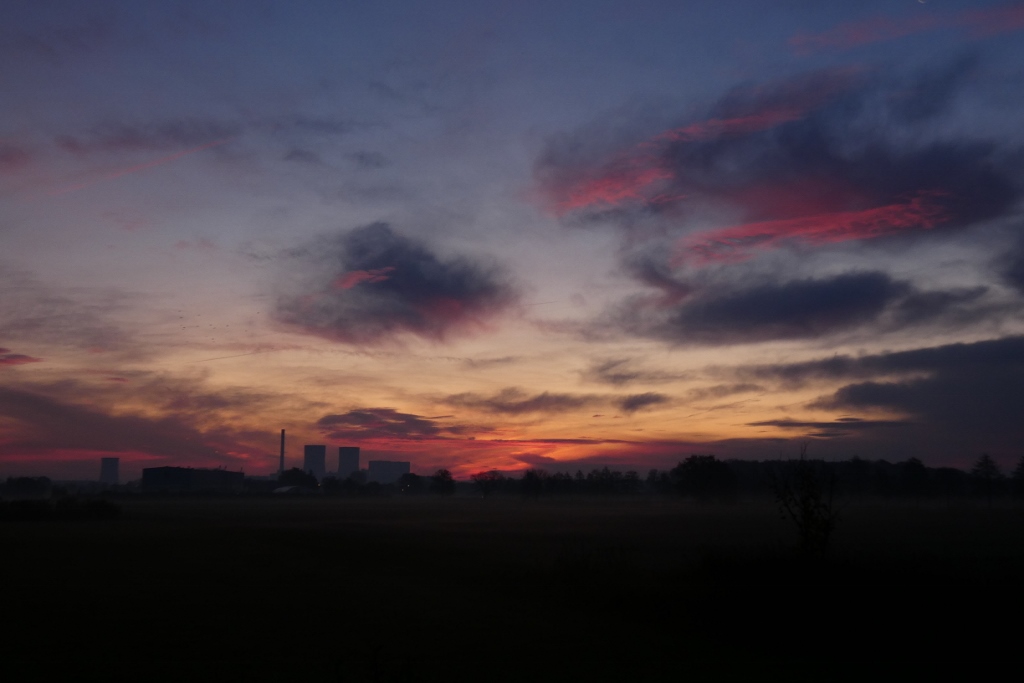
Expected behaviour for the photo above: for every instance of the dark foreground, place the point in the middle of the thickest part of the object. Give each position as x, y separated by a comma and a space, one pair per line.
506, 590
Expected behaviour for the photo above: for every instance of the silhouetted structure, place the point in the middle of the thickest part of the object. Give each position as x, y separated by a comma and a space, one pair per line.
190, 480
348, 461
280, 467
110, 471
314, 460
387, 471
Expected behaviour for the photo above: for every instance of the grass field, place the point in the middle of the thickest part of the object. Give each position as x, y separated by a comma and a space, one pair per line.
427, 589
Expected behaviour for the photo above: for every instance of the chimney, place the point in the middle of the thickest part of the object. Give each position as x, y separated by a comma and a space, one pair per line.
280, 469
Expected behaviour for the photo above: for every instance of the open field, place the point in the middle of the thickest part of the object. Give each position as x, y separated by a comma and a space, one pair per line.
408, 589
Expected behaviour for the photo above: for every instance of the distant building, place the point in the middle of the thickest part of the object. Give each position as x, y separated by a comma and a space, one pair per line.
348, 461
110, 471
314, 460
387, 471
190, 480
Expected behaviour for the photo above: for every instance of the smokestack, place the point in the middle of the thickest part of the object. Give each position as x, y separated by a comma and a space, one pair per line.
280, 469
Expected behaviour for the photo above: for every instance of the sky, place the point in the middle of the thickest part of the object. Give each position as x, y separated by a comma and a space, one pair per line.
472, 235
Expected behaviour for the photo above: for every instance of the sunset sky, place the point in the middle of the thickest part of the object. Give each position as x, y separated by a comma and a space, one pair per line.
508, 234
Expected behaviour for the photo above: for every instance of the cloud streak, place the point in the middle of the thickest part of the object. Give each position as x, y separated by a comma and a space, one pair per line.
976, 23
383, 423
514, 401
8, 359
802, 161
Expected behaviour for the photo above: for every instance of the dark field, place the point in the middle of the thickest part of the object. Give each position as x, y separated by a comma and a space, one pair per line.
427, 589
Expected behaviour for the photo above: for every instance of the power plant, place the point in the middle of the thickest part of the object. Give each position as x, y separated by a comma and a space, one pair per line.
314, 460
110, 471
348, 461
387, 471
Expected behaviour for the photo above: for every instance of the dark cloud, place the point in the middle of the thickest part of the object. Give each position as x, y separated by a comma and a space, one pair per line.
513, 401
373, 284
166, 135
758, 308
383, 423
840, 427
722, 390
1012, 266
797, 309
932, 91
8, 359
983, 357
631, 404
919, 307
956, 400
622, 371
537, 460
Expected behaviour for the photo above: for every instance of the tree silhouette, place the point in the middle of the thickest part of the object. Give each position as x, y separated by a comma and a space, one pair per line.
488, 482
442, 483
806, 498
704, 476
913, 477
1017, 478
296, 477
411, 484
532, 483
986, 475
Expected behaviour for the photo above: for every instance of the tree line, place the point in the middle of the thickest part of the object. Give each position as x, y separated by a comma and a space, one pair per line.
703, 477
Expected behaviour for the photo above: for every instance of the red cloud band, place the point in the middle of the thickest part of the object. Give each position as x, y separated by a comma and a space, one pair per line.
735, 243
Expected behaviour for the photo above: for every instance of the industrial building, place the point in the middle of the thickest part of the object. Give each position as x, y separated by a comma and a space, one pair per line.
110, 471
348, 461
314, 460
190, 480
387, 471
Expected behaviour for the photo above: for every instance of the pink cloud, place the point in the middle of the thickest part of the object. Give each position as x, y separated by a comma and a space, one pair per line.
736, 243
8, 359
739, 125
638, 174
630, 181
355, 277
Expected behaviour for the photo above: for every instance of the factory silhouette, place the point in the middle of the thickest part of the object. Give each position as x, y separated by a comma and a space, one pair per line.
171, 479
